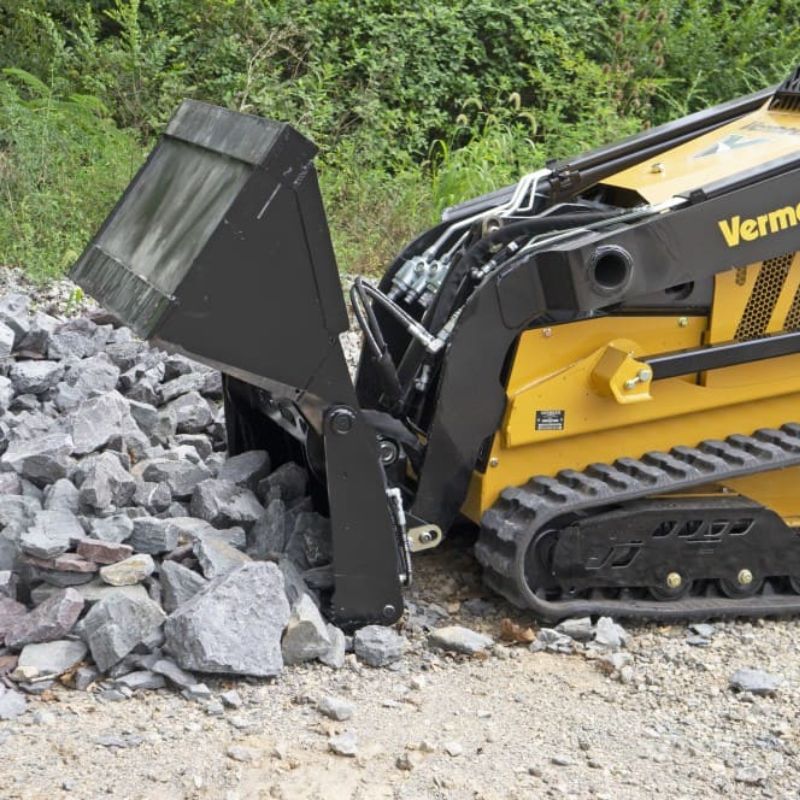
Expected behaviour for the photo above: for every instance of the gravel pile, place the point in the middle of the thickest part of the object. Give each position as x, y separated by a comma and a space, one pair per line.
133, 552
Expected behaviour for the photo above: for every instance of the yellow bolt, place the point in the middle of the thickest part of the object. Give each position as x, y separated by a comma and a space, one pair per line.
674, 580
745, 577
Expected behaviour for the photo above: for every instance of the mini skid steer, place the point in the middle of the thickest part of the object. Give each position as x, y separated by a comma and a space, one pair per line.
598, 366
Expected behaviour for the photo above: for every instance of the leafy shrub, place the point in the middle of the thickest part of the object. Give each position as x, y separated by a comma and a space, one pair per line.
63, 163
415, 104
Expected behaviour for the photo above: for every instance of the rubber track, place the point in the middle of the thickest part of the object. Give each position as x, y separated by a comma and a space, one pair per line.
522, 512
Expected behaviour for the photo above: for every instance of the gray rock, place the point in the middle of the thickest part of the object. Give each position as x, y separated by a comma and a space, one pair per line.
192, 413
8, 585
176, 365
66, 343
14, 312
581, 629
293, 580
289, 482
334, 657
98, 420
124, 355
246, 469
12, 705
750, 775
36, 340
84, 677
153, 535
132, 570
212, 385
93, 592
552, 641
35, 377
6, 340
116, 624
17, 512
174, 674
378, 646
609, 635
62, 496
115, 529
148, 419
306, 635
178, 584
103, 552
50, 534
755, 681
233, 625
224, 504
52, 658
183, 384
10, 483
269, 536
231, 699
141, 680
194, 530
335, 707
199, 442
344, 744
457, 639
152, 497
92, 376
11, 612
42, 460
313, 533
703, 629
53, 619
105, 483
180, 476
217, 557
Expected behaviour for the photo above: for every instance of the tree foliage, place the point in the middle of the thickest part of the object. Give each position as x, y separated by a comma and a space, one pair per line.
415, 104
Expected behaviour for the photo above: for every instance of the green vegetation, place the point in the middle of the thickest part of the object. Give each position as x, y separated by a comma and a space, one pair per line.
415, 105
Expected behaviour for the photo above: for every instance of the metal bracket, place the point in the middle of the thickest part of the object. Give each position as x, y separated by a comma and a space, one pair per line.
424, 537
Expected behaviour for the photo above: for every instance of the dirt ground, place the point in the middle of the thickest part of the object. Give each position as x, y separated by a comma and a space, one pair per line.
514, 724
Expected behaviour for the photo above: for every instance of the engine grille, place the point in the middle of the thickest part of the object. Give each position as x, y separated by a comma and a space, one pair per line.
765, 294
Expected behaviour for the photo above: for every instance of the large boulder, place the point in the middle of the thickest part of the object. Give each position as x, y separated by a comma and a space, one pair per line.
233, 625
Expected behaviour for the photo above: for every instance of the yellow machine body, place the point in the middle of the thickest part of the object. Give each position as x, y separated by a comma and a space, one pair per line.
579, 393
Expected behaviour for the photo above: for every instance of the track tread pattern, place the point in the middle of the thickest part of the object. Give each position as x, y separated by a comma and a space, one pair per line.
521, 512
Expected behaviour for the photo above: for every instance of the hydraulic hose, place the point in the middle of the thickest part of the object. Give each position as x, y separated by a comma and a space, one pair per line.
482, 249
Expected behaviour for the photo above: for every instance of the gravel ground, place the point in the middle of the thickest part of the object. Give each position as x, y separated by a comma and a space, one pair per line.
511, 724
657, 716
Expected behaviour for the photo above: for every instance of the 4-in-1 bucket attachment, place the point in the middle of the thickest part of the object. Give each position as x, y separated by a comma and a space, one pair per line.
219, 249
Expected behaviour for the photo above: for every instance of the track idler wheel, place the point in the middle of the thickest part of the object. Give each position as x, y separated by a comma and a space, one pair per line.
673, 587
746, 584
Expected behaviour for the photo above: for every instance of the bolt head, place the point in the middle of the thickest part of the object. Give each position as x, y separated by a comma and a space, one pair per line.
745, 577
342, 420
683, 322
645, 374
389, 611
674, 580
493, 462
